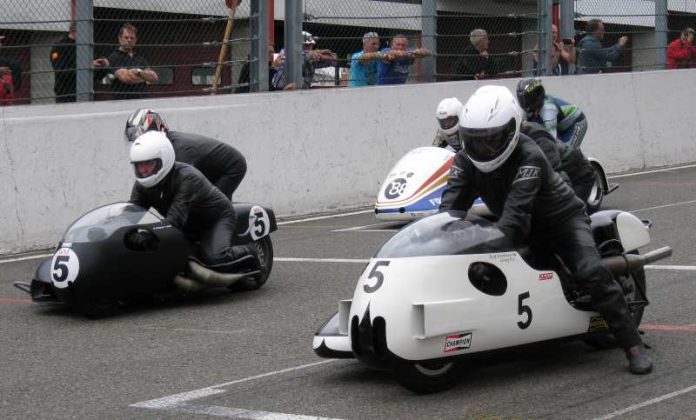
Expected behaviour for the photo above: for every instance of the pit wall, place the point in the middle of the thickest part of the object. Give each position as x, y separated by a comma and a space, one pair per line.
307, 151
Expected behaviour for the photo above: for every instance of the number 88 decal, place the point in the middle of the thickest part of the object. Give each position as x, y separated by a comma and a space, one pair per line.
395, 188
65, 267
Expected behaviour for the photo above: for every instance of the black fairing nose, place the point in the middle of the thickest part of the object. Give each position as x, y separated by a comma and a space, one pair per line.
369, 341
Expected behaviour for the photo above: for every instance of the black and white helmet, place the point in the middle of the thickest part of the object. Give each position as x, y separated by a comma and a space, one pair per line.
489, 127
141, 121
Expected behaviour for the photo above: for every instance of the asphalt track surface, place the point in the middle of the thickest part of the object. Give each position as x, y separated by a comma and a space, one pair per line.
249, 355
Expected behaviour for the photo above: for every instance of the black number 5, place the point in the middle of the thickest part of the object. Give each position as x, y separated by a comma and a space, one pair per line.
524, 309
259, 224
376, 274
60, 265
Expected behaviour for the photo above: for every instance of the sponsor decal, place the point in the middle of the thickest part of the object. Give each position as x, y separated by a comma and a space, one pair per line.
503, 257
436, 201
457, 342
545, 276
161, 227
597, 323
525, 173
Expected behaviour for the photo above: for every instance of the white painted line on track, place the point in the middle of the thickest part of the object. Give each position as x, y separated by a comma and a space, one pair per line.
323, 260
328, 216
681, 203
672, 267
362, 227
652, 171
195, 330
240, 413
647, 403
27, 258
173, 401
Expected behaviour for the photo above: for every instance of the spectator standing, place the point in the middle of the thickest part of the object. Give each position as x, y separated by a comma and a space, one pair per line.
363, 64
311, 60
129, 72
680, 52
275, 62
474, 64
63, 58
396, 61
593, 57
564, 54
10, 78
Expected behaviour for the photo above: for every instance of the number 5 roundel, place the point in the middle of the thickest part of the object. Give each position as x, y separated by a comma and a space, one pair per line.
65, 267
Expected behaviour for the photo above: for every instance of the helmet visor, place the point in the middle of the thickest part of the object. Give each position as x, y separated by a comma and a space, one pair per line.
147, 168
131, 132
486, 144
449, 122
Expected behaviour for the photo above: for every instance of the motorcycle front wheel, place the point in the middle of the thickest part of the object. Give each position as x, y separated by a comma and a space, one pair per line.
264, 247
594, 201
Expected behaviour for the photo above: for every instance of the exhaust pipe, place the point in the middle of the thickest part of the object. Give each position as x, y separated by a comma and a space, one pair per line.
625, 264
187, 285
213, 278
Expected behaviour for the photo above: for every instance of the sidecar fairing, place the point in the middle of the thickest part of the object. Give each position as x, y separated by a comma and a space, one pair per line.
446, 286
93, 262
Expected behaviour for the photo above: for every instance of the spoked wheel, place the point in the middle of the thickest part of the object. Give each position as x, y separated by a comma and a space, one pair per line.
264, 247
428, 377
634, 288
594, 201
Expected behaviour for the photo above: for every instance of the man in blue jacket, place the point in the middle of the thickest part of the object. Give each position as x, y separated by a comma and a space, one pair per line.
593, 57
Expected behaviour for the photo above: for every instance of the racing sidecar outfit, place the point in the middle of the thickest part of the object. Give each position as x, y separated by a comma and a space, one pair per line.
222, 164
536, 207
192, 204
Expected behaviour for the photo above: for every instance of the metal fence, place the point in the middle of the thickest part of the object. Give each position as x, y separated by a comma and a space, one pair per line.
181, 41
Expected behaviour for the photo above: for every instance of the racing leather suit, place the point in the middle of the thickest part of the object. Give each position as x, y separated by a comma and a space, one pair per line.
567, 160
222, 164
536, 207
192, 204
562, 119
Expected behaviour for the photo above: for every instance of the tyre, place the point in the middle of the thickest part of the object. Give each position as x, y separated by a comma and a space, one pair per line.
264, 247
634, 287
594, 201
428, 377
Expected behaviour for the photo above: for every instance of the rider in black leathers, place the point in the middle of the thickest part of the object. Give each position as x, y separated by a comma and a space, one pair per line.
567, 160
190, 203
534, 205
222, 164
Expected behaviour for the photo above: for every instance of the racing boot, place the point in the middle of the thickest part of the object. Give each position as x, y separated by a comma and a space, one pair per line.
245, 257
639, 362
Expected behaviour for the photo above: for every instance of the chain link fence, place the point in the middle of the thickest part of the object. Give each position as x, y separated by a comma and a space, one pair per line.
181, 41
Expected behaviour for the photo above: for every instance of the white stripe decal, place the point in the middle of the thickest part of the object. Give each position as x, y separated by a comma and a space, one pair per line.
647, 403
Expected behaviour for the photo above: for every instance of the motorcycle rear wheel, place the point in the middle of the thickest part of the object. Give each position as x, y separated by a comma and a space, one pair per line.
594, 201
428, 377
264, 247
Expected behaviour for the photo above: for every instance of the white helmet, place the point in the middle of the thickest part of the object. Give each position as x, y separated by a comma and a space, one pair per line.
447, 114
152, 156
489, 126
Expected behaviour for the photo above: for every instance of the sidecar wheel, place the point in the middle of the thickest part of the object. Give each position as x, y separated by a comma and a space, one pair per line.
264, 246
594, 201
428, 377
634, 288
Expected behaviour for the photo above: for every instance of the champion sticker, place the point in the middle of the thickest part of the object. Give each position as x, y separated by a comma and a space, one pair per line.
545, 276
259, 223
525, 173
457, 342
65, 267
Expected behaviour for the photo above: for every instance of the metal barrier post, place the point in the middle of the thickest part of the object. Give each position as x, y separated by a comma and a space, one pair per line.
293, 42
84, 50
258, 69
429, 36
661, 34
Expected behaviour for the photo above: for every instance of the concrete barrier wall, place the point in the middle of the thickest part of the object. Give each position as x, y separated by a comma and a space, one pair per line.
308, 151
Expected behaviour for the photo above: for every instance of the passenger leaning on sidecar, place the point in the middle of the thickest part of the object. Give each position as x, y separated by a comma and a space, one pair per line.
188, 201
565, 121
447, 115
534, 205
222, 164
567, 160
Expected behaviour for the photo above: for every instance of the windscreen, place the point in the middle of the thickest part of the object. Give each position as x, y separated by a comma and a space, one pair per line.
447, 233
100, 223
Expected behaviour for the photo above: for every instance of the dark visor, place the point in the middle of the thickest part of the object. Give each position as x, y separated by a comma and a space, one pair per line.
448, 122
486, 144
156, 165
